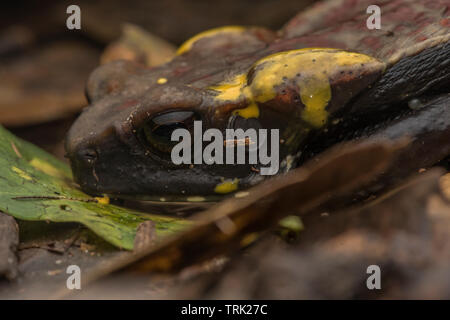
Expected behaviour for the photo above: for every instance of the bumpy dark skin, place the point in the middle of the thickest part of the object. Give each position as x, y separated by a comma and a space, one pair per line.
110, 155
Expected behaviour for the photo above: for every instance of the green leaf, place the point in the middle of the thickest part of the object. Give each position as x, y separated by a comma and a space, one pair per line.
36, 186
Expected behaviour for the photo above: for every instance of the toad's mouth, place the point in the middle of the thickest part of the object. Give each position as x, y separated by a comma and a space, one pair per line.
170, 205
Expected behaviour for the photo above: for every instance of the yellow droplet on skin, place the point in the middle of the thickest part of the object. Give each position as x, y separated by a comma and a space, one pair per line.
103, 200
227, 186
293, 223
161, 80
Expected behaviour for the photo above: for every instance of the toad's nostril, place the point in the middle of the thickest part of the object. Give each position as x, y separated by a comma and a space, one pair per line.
88, 155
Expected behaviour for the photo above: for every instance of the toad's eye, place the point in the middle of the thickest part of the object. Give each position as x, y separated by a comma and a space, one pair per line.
158, 131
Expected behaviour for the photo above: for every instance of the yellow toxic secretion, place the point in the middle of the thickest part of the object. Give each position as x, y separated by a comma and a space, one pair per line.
161, 81
103, 200
187, 45
231, 90
252, 111
227, 186
310, 69
235, 89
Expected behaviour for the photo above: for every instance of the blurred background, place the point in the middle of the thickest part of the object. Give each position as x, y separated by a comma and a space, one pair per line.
44, 66
43, 71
